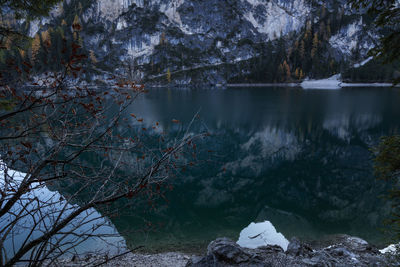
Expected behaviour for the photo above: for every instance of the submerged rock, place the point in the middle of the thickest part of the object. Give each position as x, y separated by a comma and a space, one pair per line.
346, 251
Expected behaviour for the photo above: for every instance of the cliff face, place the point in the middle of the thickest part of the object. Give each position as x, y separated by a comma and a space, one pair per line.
210, 41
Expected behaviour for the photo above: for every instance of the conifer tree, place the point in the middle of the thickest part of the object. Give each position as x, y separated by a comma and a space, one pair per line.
302, 49
92, 57
297, 73
315, 45
286, 69
35, 47
168, 75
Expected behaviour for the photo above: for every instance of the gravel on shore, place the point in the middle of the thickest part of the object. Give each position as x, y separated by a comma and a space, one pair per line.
168, 259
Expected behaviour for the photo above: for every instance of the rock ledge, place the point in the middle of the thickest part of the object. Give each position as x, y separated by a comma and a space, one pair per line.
345, 251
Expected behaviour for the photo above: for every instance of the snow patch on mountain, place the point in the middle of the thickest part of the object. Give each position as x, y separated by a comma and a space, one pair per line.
111, 9
274, 18
362, 63
346, 40
333, 82
349, 39
170, 10
138, 47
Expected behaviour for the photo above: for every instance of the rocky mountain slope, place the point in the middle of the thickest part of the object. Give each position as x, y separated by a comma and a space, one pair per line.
182, 42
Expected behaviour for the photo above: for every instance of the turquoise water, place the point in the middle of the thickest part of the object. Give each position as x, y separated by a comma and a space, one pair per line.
299, 159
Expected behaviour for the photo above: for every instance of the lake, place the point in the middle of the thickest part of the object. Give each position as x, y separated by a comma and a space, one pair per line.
297, 158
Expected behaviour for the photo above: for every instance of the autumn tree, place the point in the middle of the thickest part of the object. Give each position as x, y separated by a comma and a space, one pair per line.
315, 45
168, 75
36, 44
13, 10
49, 129
286, 71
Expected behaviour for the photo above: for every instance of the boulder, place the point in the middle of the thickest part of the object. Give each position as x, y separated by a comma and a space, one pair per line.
344, 251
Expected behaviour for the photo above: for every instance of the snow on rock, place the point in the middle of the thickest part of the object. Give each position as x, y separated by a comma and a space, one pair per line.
366, 85
34, 27
346, 39
261, 234
351, 38
333, 82
362, 63
275, 18
390, 249
111, 9
143, 45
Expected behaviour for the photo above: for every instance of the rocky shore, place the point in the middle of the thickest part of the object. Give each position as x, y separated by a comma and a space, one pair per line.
341, 250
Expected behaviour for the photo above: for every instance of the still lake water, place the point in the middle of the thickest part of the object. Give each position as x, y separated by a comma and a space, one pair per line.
297, 158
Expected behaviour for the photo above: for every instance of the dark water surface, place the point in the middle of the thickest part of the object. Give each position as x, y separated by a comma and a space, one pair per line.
297, 158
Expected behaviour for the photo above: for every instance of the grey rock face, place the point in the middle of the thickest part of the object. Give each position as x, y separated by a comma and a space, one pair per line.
347, 251
207, 42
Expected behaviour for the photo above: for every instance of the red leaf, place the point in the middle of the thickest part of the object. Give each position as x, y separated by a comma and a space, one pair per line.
129, 194
27, 144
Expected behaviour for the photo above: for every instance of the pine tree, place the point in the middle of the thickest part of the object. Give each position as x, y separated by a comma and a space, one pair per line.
22, 53
35, 47
46, 38
8, 43
163, 39
328, 31
168, 75
323, 12
322, 28
307, 34
286, 69
297, 73
280, 74
302, 49
76, 24
92, 57
315, 44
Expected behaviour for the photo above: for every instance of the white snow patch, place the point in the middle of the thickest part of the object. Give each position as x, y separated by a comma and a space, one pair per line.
346, 39
144, 46
366, 85
34, 27
362, 63
330, 83
170, 10
279, 17
390, 249
121, 24
261, 234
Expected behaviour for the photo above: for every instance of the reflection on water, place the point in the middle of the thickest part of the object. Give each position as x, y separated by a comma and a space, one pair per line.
299, 159
40, 208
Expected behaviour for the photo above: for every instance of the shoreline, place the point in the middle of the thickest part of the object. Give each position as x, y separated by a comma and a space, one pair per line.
341, 85
353, 246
